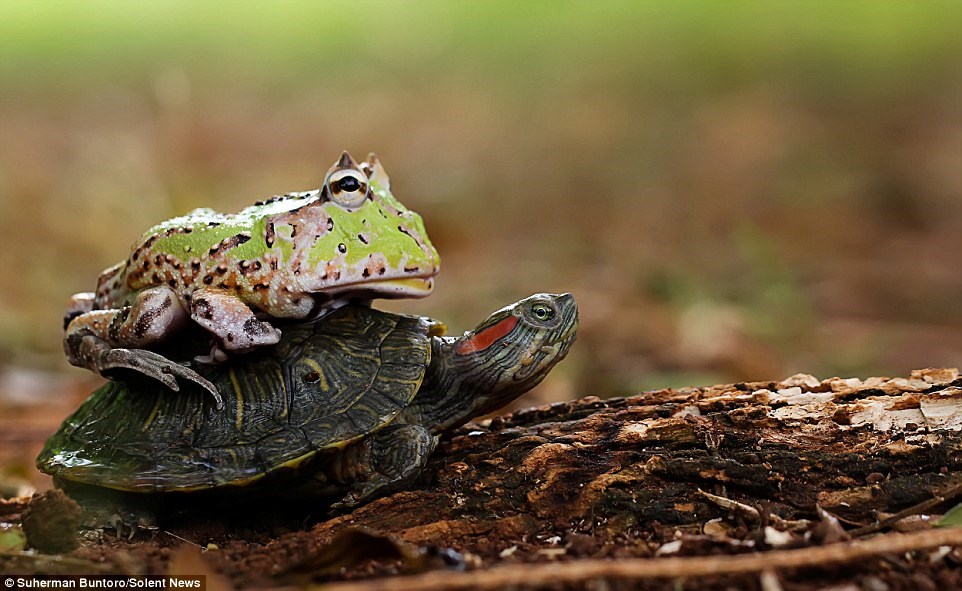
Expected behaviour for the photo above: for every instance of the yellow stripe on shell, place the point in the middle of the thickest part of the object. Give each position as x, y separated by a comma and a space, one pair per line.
238, 421
152, 415
322, 379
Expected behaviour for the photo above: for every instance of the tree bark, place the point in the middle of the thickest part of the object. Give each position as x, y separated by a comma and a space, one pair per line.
647, 491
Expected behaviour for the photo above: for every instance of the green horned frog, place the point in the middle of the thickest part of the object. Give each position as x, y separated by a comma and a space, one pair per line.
295, 256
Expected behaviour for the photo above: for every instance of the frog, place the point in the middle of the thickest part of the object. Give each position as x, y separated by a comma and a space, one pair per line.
292, 257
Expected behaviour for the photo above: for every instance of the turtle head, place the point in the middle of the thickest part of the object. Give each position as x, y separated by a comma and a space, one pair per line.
505, 356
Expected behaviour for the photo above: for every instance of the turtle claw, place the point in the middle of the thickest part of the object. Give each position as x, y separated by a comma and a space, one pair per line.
354, 498
158, 367
128, 524
118, 525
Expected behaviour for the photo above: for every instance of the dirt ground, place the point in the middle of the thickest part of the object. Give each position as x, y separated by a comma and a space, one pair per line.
777, 485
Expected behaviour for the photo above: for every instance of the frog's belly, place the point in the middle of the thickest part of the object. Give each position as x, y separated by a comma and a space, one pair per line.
264, 292
284, 303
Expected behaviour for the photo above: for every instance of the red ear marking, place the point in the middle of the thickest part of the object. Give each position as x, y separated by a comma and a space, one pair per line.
487, 337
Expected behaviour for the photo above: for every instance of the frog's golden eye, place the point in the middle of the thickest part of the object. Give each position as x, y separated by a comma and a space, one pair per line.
348, 188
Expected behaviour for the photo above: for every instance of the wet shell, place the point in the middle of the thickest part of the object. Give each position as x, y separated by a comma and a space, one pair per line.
325, 385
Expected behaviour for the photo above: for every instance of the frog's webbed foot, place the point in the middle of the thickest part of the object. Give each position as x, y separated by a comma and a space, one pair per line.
156, 366
104, 341
87, 350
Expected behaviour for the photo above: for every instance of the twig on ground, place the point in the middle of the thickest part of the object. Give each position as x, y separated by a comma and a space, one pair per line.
69, 562
752, 512
947, 495
539, 575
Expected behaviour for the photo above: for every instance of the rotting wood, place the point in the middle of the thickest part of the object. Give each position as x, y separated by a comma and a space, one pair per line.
628, 473
733, 469
852, 446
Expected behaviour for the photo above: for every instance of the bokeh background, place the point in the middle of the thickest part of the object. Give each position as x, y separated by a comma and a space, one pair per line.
733, 191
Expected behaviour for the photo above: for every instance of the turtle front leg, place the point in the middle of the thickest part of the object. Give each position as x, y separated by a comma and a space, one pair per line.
387, 461
104, 341
103, 508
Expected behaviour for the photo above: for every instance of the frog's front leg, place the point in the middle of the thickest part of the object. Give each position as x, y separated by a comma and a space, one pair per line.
80, 303
107, 340
231, 321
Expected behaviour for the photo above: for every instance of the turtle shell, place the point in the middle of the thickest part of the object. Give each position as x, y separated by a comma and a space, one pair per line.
325, 385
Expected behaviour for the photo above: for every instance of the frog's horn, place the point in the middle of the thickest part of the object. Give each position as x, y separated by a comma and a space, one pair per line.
345, 161
374, 171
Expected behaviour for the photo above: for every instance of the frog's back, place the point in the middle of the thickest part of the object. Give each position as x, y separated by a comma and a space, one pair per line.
207, 234
213, 226
203, 248
351, 238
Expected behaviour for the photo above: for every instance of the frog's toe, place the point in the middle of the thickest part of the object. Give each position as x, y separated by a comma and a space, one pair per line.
185, 373
216, 356
158, 367
142, 362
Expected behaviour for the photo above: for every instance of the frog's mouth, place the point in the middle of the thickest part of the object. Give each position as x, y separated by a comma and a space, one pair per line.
398, 287
405, 287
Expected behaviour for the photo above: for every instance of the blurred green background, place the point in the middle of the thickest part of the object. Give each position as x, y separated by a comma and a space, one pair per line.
733, 191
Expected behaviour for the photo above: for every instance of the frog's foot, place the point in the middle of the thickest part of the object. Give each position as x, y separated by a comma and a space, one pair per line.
86, 349
216, 356
158, 367
231, 321
104, 341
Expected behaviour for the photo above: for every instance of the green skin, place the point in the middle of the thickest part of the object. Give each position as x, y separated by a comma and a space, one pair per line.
460, 378
290, 257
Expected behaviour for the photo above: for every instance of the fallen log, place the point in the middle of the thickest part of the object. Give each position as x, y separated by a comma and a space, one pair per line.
812, 481
725, 469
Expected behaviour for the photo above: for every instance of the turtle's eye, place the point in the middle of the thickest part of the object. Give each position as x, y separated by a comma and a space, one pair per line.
543, 312
347, 188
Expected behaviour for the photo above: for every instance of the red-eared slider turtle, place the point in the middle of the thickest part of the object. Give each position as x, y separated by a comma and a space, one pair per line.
352, 403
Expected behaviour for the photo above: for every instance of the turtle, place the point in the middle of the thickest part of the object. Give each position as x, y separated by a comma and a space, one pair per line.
350, 407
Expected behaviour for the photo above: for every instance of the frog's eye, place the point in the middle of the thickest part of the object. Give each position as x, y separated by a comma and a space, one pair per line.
348, 188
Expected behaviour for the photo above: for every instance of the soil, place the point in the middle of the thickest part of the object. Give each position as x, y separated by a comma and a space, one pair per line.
798, 484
